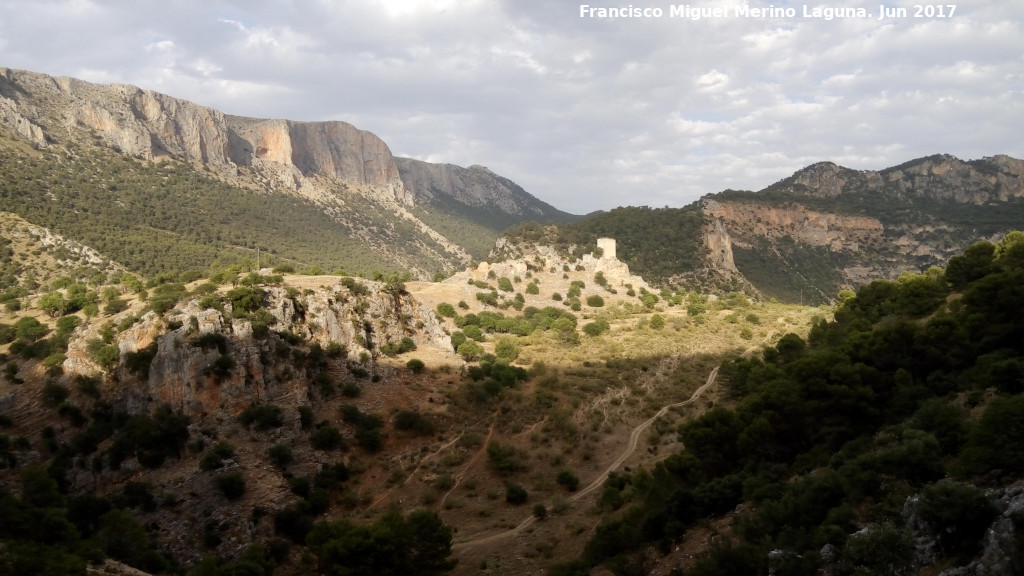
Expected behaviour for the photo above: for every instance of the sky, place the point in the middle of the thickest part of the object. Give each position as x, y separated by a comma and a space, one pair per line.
583, 111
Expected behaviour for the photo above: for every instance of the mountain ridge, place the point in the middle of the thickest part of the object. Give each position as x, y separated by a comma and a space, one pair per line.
347, 173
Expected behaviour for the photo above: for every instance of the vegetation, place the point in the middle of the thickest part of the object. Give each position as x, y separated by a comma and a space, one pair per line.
657, 243
838, 430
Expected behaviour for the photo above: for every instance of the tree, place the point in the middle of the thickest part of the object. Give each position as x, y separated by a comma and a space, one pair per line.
470, 351
394, 545
568, 480
53, 304
231, 485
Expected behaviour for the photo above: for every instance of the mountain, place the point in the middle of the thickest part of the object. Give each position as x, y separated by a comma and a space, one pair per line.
443, 194
312, 194
806, 237
828, 227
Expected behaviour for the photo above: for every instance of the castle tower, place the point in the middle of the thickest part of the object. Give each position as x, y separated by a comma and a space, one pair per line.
607, 245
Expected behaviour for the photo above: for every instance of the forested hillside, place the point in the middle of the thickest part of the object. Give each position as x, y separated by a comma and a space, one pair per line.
657, 243
158, 218
889, 433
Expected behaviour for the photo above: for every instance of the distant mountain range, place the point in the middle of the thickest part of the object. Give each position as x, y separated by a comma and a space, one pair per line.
369, 210
808, 236
159, 184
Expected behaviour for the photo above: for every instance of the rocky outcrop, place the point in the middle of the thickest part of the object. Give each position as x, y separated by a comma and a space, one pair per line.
827, 227
152, 125
837, 232
187, 372
939, 178
1000, 544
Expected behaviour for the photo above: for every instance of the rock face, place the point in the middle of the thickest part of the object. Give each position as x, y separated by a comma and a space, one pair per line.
186, 371
348, 173
151, 125
941, 177
827, 227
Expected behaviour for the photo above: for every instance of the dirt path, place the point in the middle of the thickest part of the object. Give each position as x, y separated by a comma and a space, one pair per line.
419, 466
469, 463
634, 439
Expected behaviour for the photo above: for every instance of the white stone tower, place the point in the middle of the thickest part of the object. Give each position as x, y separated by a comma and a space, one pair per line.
607, 245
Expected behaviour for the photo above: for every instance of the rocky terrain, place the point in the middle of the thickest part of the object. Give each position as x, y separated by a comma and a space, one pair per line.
828, 227
417, 216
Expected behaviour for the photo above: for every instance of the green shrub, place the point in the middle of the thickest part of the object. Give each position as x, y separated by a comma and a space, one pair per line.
411, 421
446, 310
216, 457
595, 301
415, 365
515, 494
326, 438
568, 480
596, 328
470, 351
231, 485
280, 455
262, 417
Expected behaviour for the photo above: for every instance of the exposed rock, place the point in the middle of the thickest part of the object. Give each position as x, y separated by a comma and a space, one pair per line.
183, 374
999, 556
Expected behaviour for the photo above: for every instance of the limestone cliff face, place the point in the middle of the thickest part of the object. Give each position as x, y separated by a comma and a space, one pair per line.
151, 125
182, 372
835, 231
828, 227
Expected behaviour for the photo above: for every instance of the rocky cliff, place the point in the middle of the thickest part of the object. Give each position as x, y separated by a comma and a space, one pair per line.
828, 227
187, 343
347, 173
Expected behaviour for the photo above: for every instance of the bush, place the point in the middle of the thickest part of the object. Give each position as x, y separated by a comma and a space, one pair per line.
415, 365
280, 455
326, 438
595, 301
446, 310
505, 284
657, 321
515, 494
540, 511
414, 422
457, 339
470, 351
959, 514
231, 485
596, 328
262, 417
503, 458
369, 438
568, 480
215, 457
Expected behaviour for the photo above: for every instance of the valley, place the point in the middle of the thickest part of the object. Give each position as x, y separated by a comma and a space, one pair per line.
236, 345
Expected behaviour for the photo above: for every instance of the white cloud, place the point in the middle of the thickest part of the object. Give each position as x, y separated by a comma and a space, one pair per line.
585, 113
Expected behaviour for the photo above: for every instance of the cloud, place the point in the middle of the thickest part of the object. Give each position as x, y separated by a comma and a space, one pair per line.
586, 113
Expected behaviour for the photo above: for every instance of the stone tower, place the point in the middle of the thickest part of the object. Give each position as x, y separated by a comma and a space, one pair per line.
607, 245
